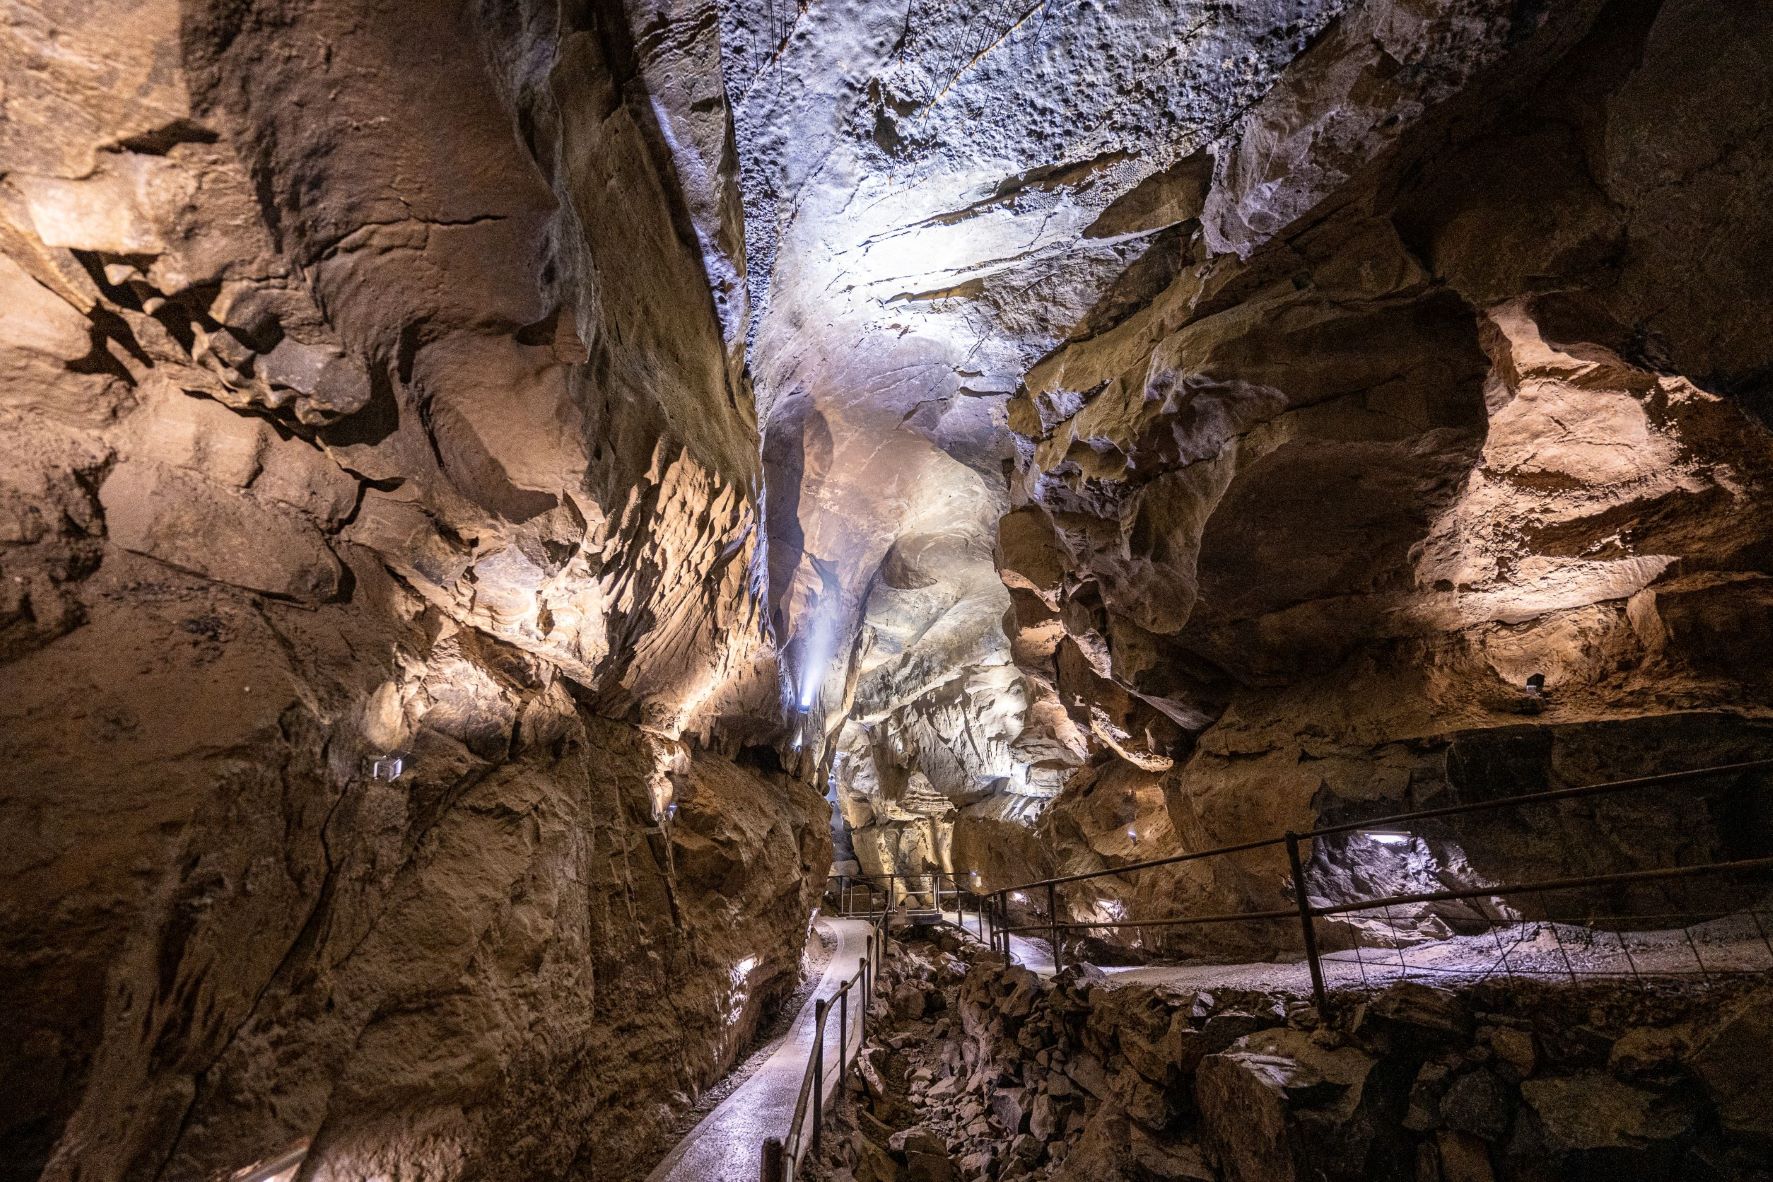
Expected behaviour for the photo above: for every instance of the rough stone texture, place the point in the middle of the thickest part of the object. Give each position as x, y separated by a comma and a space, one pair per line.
1352, 363
1402, 427
1082, 1077
1142, 427
362, 393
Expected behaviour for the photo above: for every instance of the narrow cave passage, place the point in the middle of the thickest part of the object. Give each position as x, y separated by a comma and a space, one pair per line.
1111, 589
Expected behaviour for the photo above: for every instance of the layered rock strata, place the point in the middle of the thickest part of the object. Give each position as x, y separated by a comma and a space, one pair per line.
1433, 396
379, 481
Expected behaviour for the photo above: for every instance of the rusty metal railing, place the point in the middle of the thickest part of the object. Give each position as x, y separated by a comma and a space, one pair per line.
1305, 912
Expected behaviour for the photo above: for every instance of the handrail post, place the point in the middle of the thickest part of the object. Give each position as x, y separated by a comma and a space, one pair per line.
819, 1009
843, 1030
1053, 924
772, 1160
1319, 996
862, 1014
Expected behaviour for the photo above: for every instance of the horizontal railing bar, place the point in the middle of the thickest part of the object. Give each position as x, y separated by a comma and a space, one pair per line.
1420, 815
1554, 794
1231, 917
1149, 863
1553, 884
1479, 892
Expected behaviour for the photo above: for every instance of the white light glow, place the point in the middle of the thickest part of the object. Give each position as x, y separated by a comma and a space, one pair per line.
1390, 838
1018, 897
740, 976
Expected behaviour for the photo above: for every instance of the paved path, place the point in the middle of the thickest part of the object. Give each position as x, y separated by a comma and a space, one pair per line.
1030, 954
726, 1146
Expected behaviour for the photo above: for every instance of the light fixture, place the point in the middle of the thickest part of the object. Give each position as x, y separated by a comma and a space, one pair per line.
387, 768
280, 1168
1018, 897
1132, 833
1387, 836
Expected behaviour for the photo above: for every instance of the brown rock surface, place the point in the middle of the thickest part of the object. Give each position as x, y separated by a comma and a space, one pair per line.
345, 415
1102, 430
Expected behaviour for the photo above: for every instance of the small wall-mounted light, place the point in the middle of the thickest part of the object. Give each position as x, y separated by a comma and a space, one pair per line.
1018, 897
1387, 836
671, 811
1536, 686
280, 1168
387, 768
1132, 834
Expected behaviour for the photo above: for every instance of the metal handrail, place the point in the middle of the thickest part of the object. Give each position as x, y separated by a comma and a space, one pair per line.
1400, 818
934, 888
781, 1156
1306, 911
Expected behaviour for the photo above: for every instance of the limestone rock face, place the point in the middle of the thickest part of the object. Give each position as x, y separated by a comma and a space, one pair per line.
378, 474
1311, 374
1400, 428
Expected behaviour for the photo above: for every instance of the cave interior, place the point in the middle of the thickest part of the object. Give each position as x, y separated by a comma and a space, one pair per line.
519, 514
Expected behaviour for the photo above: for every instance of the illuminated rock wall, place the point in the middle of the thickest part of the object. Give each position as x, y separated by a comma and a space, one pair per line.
362, 393
1443, 392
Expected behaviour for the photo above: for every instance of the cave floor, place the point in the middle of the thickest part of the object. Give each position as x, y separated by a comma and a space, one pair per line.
1728, 947
726, 1143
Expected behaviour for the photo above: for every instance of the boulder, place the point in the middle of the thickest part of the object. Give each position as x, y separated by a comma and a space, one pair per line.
186, 521
1595, 1111
1736, 1066
1276, 1107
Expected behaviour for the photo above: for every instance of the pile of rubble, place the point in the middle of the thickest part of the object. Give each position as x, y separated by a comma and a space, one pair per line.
980, 1070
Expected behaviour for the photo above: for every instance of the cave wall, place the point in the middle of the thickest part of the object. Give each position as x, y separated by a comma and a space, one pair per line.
1354, 362
367, 390
1459, 378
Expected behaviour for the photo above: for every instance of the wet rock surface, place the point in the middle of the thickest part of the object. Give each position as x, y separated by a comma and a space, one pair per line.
978, 1069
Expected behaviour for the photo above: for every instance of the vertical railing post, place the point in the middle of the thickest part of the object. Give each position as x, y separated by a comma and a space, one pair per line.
772, 1160
843, 1031
1053, 925
1319, 996
862, 1016
819, 1009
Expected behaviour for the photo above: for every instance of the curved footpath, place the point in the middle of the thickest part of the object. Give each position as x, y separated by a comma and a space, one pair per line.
1033, 955
727, 1145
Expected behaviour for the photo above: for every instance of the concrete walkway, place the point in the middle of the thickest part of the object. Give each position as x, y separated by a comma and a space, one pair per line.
727, 1145
1030, 954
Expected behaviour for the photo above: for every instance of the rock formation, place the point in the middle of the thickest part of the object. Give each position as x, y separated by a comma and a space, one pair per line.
364, 402
981, 1070
475, 475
